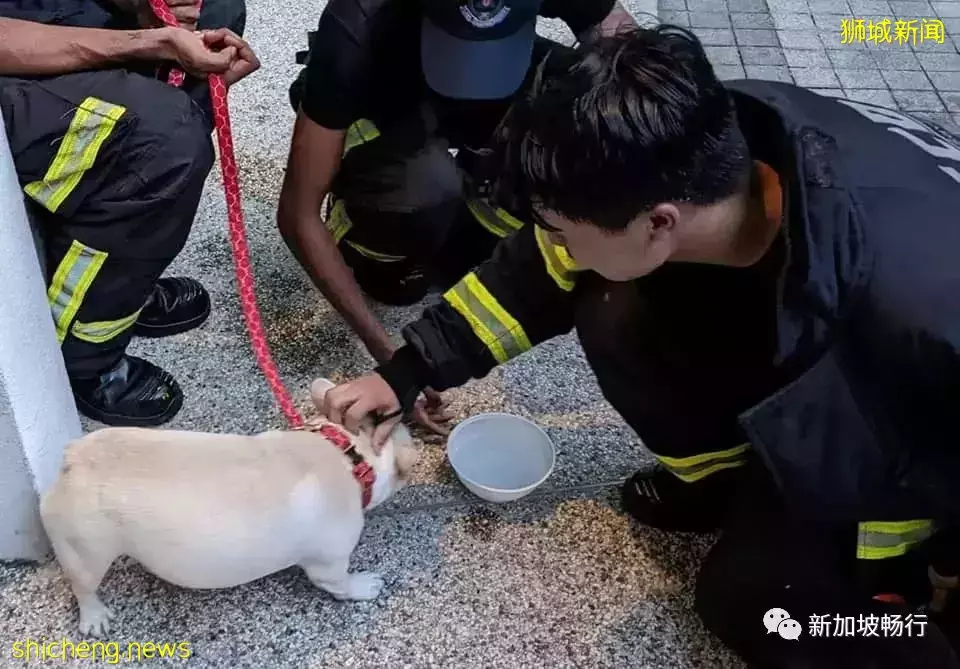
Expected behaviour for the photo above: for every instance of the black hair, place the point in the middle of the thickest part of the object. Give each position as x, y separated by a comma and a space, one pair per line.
609, 130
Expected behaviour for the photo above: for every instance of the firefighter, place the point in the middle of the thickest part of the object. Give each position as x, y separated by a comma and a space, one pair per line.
765, 282
112, 161
389, 86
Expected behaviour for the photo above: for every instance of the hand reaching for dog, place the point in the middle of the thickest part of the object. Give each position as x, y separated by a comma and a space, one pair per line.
349, 403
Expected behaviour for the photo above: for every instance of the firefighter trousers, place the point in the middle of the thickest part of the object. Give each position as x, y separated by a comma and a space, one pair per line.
403, 215
765, 558
408, 216
112, 164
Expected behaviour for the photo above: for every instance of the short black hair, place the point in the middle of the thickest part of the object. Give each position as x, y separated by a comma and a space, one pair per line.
611, 129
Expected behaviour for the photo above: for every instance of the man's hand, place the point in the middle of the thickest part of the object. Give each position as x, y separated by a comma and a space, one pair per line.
349, 403
431, 412
212, 52
245, 61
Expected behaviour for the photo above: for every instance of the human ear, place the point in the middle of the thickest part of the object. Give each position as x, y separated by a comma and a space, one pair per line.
664, 218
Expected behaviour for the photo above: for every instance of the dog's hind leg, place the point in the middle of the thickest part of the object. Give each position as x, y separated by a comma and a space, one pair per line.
85, 568
84, 561
333, 576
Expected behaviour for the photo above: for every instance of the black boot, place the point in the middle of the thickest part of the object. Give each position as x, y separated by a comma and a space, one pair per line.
133, 392
176, 305
659, 499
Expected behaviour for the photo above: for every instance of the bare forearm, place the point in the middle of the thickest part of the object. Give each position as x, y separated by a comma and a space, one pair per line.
28, 48
316, 251
314, 161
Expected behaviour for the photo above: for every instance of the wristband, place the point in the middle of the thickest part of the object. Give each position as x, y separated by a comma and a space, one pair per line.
403, 374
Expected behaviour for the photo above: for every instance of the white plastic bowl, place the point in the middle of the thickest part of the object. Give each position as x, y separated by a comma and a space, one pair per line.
500, 457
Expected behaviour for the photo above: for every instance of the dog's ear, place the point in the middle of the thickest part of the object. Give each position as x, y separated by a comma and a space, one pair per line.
318, 390
407, 457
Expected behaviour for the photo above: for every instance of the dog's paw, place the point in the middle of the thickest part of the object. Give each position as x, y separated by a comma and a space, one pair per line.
363, 586
95, 619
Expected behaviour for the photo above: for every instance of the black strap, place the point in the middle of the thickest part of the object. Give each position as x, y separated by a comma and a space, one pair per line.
378, 419
355, 458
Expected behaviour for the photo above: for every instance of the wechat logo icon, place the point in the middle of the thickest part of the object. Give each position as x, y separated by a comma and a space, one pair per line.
778, 621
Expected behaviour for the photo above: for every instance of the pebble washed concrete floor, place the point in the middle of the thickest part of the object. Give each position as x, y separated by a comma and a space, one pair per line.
558, 580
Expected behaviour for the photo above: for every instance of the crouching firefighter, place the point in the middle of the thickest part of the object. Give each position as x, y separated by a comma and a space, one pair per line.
112, 162
765, 284
389, 87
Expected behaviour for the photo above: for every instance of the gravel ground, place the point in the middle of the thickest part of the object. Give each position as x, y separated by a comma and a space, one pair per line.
551, 583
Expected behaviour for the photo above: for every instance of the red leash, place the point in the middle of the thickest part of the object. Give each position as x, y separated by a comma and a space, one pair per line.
238, 235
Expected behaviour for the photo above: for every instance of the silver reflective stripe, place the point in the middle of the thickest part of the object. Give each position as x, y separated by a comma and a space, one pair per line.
877, 540
92, 123
501, 333
558, 263
496, 221
70, 284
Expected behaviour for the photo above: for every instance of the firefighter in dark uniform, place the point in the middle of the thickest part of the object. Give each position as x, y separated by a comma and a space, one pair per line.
389, 86
112, 161
765, 282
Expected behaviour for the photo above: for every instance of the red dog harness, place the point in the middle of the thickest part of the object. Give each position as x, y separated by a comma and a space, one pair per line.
362, 471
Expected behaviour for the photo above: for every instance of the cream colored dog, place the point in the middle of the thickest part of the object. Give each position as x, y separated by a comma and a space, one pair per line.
216, 510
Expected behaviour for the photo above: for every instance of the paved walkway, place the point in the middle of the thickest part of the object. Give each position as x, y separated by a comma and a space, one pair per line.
904, 54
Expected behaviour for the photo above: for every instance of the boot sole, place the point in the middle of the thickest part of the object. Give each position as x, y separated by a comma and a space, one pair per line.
119, 420
158, 331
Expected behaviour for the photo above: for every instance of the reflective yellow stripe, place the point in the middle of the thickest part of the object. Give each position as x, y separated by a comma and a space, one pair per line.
92, 123
338, 223
881, 540
374, 255
500, 332
70, 284
360, 132
496, 221
702, 465
560, 266
566, 260
101, 331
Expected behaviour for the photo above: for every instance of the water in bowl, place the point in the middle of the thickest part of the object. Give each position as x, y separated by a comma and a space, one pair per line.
501, 452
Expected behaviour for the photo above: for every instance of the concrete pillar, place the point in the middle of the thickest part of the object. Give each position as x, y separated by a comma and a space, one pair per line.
37, 412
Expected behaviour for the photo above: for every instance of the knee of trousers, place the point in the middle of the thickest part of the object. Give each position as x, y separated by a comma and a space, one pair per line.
230, 14
146, 173
161, 167
373, 179
175, 150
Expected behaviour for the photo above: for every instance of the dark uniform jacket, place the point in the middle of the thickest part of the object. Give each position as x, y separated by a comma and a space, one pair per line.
868, 309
